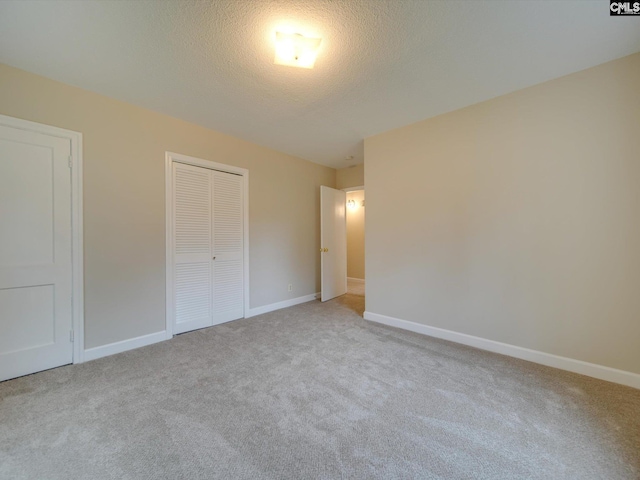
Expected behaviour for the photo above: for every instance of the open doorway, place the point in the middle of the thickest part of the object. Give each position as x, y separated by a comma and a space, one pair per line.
342, 243
355, 240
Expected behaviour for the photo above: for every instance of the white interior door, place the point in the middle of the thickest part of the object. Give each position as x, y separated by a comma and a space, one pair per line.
333, 225
228, 247
208, 247
192, 213
35, 252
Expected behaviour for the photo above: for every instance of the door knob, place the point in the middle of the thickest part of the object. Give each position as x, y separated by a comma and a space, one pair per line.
326, 249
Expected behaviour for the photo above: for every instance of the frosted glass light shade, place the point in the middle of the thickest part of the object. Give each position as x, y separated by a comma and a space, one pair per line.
296, 50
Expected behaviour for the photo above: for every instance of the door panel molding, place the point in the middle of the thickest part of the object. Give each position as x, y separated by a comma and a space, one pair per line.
77, 239
170, 159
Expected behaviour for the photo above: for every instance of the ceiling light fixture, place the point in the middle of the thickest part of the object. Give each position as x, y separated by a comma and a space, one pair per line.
296, 50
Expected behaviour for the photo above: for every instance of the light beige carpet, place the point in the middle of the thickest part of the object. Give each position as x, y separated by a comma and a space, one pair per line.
355, 288
315, 392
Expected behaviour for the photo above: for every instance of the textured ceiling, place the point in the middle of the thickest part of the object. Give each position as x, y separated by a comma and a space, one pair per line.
382, 63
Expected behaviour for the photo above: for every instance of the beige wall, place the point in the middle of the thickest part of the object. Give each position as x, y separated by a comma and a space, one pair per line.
355, 236
517, 219
350, 177
124, 220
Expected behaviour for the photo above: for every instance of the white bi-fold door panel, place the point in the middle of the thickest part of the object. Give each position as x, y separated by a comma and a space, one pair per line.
35, 252
228, 247
208, 247
192, 242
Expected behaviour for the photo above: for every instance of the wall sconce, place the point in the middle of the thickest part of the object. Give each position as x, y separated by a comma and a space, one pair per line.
296, 50
351, 204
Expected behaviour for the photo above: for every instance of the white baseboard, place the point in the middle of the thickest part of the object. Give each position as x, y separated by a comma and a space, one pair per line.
277, 306
144, 340
124, 345
355, 280
577, 366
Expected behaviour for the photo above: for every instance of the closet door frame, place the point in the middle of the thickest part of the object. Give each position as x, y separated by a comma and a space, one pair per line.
170, 159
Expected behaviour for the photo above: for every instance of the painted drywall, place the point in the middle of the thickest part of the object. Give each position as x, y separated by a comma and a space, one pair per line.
517, 219
124, 207
355, 235
350, 177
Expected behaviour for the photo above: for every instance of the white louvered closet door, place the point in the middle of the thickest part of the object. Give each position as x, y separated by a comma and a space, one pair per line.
208, 247
192, 271
228, 247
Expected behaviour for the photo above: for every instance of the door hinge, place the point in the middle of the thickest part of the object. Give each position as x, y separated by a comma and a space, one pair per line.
70, 161
71, 335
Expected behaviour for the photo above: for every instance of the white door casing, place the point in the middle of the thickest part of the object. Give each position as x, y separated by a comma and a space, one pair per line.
333, 246
207, 243
40, 295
